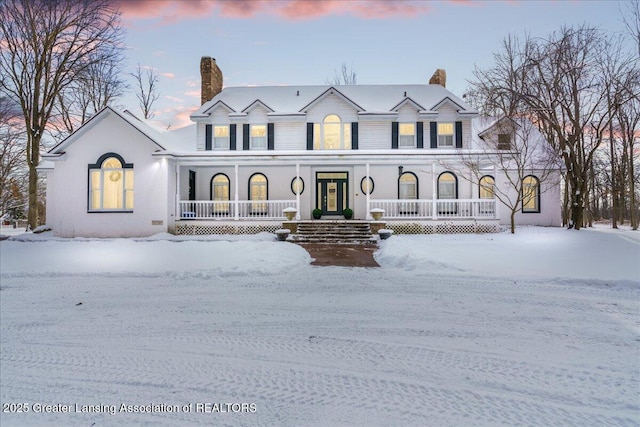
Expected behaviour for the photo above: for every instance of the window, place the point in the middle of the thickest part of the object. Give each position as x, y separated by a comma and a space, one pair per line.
504, 141
407, 186
297, 185
220, 193
366, 185
221, 137
447, 186
258, 191
111, 184
445, 134
487, 184
530, 194
407, 135
258, 137
332, 134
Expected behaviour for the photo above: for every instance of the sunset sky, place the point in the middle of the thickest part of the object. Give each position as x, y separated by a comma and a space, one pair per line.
286, 42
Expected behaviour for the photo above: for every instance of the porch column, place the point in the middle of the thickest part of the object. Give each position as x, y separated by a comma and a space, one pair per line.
368, 195
495, 184
298, 192
177, 213
237, 205
434, 195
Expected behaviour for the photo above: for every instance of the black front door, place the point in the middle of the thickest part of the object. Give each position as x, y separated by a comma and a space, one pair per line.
332, 192
192, 185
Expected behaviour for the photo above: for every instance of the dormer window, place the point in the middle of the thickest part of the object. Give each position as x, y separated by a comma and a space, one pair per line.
407, 135
445, 134
332, 134
221, 137
258, 137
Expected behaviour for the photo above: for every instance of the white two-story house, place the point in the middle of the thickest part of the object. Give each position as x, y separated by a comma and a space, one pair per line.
255, 151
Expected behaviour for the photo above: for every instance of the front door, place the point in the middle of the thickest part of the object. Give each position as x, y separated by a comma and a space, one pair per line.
332, 192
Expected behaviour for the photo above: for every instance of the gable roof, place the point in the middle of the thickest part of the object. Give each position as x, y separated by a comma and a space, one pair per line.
366, 99
161, 138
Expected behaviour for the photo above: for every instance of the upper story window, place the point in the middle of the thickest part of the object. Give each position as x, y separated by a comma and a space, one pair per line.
407, 135
445, 134
258, 137
111, 184
221, 137
332, 134
504, 141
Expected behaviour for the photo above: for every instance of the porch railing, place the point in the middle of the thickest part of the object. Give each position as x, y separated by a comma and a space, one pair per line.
438, 209
242, 209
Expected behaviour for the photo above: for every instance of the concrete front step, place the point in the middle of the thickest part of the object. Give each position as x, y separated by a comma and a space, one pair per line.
334, 232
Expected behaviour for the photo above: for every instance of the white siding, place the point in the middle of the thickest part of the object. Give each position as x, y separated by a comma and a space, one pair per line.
407, 114
374, 135
290, 136
200, 135
332, 104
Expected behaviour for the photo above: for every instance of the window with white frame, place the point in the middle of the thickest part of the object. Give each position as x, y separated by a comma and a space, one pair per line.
111, 185
258, 137
332, 134
220, 193
258, 193
408, 186
530, 194
487, 184
445, 134
447, 186
407, 135
221, 137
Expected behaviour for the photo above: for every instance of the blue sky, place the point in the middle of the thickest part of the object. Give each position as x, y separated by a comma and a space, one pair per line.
262, 42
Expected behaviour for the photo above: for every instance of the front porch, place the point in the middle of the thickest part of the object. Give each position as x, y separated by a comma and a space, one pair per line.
404, 216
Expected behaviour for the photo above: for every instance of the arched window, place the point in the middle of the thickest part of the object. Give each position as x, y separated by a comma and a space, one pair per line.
332, 134
530, 194
447, 186
111, 184
408, 190
258, 191
487, 184
220, 193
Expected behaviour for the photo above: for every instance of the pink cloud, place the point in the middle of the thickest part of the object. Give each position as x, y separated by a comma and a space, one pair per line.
168, 12
168, 75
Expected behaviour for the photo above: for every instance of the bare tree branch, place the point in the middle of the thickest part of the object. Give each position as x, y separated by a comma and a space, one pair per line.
146, 89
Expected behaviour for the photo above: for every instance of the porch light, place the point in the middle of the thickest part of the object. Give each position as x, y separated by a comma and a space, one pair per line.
400, 169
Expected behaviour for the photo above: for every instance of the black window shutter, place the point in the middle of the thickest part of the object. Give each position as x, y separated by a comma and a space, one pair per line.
208, 134
434, 134
458, 134
420, 134
270, 136
309, 136
354, 135
245, 137
394, 134
232, 137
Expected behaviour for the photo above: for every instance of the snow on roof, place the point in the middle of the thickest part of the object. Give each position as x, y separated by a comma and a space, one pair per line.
371, 98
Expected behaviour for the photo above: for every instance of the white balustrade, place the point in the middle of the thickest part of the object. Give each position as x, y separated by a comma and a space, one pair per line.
246, 209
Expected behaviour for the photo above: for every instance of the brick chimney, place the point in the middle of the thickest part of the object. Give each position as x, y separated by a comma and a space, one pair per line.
211, 78
439, 78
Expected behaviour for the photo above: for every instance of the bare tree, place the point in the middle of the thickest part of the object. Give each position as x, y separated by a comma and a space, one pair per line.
513, 164
631, 20
557, 82
98, 85
12, 152
346, 76
146, 89
46, 45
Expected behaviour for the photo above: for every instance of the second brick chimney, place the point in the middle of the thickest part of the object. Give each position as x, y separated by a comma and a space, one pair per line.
439, 78
211, 79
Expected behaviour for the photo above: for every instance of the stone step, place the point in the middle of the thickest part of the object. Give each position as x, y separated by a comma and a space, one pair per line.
334, 232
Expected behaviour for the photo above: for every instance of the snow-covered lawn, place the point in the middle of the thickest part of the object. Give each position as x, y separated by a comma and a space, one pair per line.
541, 328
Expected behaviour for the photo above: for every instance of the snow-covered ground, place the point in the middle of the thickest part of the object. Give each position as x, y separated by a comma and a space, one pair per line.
541, 328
